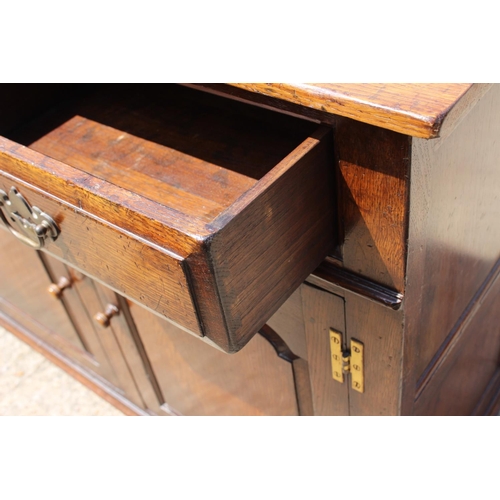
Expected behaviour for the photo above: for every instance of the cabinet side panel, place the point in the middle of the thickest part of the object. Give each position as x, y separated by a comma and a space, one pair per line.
464, 370
453, 237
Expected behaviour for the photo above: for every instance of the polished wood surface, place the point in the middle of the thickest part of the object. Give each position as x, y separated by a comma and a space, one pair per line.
415, 109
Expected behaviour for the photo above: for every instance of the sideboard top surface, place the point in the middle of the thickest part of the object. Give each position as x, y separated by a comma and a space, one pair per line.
423, 110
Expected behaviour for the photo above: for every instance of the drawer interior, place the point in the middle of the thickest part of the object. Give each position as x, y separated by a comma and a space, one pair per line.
193, 152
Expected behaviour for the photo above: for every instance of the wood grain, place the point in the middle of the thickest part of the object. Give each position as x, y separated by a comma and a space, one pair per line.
129, 265
288, 234
415, 109
222, 215
164, 175
374, 191
489, 404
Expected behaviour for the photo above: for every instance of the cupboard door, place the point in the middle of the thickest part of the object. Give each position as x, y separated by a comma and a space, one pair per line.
23, 292
90, 352
197, 379
126, 352
322, 311
56, 316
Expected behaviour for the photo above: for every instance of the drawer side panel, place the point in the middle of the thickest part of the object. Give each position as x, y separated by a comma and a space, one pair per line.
265, 252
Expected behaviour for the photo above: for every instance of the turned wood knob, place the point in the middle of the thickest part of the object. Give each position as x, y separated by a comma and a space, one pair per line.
57, 289
103, 317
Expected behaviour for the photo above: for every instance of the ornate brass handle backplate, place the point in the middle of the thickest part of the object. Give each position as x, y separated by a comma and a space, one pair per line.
28, 224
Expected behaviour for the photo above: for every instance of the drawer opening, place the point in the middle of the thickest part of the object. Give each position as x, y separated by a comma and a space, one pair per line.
207, 211
176, 146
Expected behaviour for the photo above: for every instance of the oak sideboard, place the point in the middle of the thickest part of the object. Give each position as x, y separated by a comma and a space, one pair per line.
257, 249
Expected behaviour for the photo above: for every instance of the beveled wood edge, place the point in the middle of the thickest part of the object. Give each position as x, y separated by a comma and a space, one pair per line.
90, 380
349, 103
457, 331
329, 276
460, 110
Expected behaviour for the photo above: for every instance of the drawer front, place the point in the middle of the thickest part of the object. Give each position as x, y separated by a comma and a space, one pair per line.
131, 266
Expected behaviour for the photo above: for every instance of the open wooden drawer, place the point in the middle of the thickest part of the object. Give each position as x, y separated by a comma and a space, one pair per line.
206, 211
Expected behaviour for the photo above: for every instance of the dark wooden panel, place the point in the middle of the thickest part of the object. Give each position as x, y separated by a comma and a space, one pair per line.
24, 284
95, 304
453, 238
197, 379
322, 311
464, 370
130, 347
380, 329
300, 370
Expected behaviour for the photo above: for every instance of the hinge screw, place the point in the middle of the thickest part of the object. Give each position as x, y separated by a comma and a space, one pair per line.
357, 385
356, 367
356, 349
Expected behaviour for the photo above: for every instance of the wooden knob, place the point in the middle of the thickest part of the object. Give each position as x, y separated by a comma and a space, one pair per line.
103, 317
57, 289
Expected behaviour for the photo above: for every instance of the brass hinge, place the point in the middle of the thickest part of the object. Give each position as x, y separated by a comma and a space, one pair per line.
347, 361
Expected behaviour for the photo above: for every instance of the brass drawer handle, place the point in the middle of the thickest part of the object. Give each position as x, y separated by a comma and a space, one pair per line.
103, 317
56, 290
29, 224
